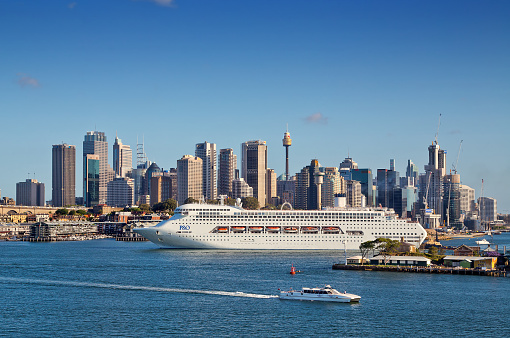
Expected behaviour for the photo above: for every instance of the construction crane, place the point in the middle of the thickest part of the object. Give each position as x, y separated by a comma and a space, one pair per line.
457, 161
437, 132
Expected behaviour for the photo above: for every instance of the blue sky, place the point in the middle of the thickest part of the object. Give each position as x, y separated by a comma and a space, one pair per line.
365, 78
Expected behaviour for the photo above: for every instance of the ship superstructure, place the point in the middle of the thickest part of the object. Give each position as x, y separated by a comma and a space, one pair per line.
207, 226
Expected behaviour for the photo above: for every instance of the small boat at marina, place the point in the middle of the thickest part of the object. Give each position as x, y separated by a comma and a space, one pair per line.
324, 294
483, 242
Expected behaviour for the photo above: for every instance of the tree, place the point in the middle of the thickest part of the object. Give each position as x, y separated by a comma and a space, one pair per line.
62, 212
387, 247
72, 212
190, 200
365, 248
213, 202
81, 212
145, 208
169, 205
250, 203
230, 201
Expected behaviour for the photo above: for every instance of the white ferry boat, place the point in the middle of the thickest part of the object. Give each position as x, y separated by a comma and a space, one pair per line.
206, 226
325, 294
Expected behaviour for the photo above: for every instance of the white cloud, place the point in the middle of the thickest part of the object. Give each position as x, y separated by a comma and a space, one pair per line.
166, 3
317, 118
26, 81
72, 5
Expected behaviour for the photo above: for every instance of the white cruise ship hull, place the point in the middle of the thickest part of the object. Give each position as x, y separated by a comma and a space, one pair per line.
202, 226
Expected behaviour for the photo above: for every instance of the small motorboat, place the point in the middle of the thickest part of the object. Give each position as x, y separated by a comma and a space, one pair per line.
325, 294
483, 242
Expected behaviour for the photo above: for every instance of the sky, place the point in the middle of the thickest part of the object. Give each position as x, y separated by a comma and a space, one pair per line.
365, 79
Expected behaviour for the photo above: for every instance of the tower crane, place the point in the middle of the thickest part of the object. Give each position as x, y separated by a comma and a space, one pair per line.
458, 155
437, 132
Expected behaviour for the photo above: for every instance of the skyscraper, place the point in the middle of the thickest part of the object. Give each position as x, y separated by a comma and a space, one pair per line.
95, 144
189, 178
364, 176
271, 196
63, 171
122, 158
431, 183
226, 174
207, 152
163, 186
30, 193
254, 166
121, 192
306, 189
91, 179
333, 185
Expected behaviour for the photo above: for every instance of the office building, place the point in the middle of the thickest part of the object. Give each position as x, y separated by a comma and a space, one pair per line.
91, 180
95, 143
451, 201
353, 194
333, 185
387, 180
364, 176
163, 186
189, 178
241, 189
431, 183
122, 158
467, 199
207, 152
306, 188
30, 193
226, 173
121, 192
346, 167
412, 174
271, 196
488, 211
63, 175
286, 189
254, 167
153, 168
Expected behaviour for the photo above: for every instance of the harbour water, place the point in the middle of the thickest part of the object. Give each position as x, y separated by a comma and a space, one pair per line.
134, 289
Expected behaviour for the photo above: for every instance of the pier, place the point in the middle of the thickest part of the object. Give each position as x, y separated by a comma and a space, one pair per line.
429, 270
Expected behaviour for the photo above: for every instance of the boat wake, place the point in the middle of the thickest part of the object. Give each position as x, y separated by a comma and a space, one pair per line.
135, 287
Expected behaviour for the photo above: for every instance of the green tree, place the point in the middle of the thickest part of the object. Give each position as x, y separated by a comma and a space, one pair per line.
213, 202
145, 208
169, 205
387, 247
190, 200
230, 201
72, 212
81, 212
250, 203
365, 248
62, 212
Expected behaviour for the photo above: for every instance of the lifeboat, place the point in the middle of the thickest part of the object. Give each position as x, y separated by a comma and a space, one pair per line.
330, 229
256, 229
290, 230
309, 229
238, 229
222, 229
273, 229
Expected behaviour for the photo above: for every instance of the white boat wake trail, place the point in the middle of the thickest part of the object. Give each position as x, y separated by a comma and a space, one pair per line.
134, 287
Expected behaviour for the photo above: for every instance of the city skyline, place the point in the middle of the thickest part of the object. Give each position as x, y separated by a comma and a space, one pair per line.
364, 80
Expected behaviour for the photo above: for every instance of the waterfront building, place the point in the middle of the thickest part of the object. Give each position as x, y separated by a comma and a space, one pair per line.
30, 193
227, 169
467, 199
488, 210
333, 185
353, 193
271, 195
241, 189
121, 192
254, 166
189, 178
91, 180
63, 175
431, 183
306, 188
207, 152
95, 143
364, 176
122, 158
163, 186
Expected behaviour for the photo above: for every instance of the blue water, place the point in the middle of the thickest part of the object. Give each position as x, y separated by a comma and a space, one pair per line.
107, 288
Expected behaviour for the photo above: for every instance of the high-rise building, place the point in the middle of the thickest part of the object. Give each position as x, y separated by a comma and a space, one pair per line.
364, 176
189, 178
122, 158
286, 189
91, 179
254, 166
431, 183
467, 199
451, 201
121, 192
207, 152
138, 176
488, 210
306, 189
271, 196
333, 185
387, 180
412, 173
63, 174
241, 189
95, 144
153, 168
353, 193
164, 186
346, 168
30, 193
226, 173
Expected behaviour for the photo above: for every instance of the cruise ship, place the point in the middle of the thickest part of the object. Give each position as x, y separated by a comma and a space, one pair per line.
207, 226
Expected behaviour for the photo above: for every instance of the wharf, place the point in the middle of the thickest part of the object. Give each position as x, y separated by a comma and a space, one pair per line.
422, 269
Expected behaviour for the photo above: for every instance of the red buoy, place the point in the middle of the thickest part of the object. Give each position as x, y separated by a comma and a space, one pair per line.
292, 270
